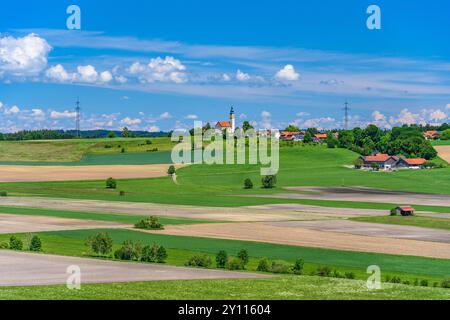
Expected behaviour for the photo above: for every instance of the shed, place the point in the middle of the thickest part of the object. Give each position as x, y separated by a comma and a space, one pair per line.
405, 211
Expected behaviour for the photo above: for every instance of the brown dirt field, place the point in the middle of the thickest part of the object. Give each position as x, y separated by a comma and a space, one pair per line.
443, 152
13, 173
10, 223
284, 212
262, 232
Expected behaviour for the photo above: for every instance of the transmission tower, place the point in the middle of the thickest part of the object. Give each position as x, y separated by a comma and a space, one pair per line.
346, 110
77, 110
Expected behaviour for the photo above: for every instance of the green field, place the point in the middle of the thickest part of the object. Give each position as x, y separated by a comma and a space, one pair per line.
120, 218
222, 185
282, 288
416, 221
180, 248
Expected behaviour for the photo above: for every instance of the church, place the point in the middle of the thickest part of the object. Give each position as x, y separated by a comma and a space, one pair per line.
230, 125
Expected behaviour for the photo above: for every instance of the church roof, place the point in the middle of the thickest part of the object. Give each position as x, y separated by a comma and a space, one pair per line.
224, 124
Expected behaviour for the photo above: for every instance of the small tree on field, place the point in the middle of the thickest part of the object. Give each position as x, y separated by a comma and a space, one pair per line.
375, 166
269, 182
298, 266
35, 244
243, 256
171, 171
221, 259
15, 243
111, 183
248, 184
111, 134
358, 163
100, 244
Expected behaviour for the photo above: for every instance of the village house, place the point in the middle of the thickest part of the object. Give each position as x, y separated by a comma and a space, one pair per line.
221, 126
292, 136
387, 162
432, 135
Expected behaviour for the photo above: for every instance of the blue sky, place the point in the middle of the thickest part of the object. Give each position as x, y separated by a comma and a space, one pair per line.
156, 65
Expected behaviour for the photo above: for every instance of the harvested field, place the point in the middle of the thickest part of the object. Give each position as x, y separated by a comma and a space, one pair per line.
20, 224
281, 212
264, 232
366, 195
17, 173
443, 152
27, 269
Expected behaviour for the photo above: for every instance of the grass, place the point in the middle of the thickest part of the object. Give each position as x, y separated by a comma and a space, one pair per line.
416, 221
181, 247
120, 218
440, 143
282, 288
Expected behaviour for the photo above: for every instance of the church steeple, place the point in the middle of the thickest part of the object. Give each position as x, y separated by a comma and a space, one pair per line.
232, 120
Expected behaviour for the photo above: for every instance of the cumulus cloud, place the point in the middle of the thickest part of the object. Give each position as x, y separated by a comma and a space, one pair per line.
319, 123
438, 115
165, 115
63, 115
87, 74
168, 69
191, 117
266, 122
12, 110
130, 121
106, 76
242, 76
58, 73
37, 113
23, 57
226, 77
288, 73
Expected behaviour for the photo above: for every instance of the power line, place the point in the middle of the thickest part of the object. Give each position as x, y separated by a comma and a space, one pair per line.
78, 111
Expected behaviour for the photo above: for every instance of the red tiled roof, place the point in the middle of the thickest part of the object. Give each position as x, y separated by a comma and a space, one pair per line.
430, 133
415, 161
321, 135
287, 133
381, 157
407, 208
224, 124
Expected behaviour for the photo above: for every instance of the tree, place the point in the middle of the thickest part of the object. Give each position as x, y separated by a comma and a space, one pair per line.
100, 244
35, 244
375, 166
346, 139
111, 134
15, 243
248, 184
125, 132
358, 163
298, 266
111, 183
247, 126
269, 182
308, 137
446, 134
221, 259
292, 128
243, 256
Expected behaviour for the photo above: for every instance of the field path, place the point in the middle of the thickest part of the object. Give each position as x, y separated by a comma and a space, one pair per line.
17, 173
443, 152
27, 269
263, 232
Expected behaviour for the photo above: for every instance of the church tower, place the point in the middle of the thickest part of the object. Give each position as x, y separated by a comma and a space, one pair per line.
232, 120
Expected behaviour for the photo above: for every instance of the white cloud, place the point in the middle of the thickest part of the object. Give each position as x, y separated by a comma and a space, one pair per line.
407, 117
58, 73
154, 129
121, 79
12, 110
87, 74
191, 117
165, 115
226, 77
168, 69
266, 120
63, 115
378, 116
320, 123
302, 114
106, 76
1, 104
23, 57
242, 116
266, 114
448, 106
242, 76
438, 115
130, 121
288, 73
37, 113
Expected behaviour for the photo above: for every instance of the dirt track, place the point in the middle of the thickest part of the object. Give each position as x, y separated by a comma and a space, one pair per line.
443, 152
27, 269
10, 223
263, 232
10, 173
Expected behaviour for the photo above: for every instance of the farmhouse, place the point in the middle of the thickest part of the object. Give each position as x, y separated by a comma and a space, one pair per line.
432, 135
227, 125
387, 162
404, 211
292, 136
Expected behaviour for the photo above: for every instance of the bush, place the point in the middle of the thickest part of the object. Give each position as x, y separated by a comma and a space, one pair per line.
424, 283
248, 184
111, 183
151, 223
122, 150
122, 193
393, 212
349, 275
446, 283
15, 243
323, 271
269, 182
235, 264
279, 266
171, 171
298, 266
221, 259
199, 260
154, 253
3, 194
100, 244
243, 256
263, 265
35, 244
4, 245
396, 279
130, 251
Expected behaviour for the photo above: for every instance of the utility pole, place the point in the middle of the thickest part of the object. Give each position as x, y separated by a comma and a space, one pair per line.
346, 109
77, 110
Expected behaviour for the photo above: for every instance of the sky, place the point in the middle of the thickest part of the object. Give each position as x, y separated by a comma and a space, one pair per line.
156, 65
